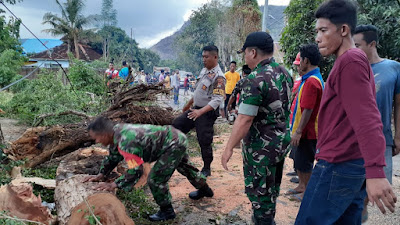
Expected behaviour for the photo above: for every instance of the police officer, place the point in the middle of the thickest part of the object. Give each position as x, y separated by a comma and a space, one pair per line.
202, 110
136, 144
263, 123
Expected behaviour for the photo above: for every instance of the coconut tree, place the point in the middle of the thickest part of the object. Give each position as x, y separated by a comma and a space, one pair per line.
70, 24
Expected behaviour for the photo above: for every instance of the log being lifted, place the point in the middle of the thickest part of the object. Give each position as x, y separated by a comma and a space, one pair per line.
75, 200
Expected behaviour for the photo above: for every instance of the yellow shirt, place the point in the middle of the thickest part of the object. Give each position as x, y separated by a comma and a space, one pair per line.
167, 81
231, 80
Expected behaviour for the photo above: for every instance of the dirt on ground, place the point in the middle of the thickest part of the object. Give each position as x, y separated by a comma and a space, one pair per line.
12, 130
230, 204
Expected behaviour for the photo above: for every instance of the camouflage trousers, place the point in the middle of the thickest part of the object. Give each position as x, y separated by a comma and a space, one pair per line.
174, 158
262, 185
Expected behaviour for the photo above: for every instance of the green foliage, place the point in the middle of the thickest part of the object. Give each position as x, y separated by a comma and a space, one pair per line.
6, 166
10, 63
300, 29
92, 220
172, 64
138, 205
384, 14
200, 32
116, 45
9, 34
108, 13
99, 65
46, 172
84, 78
5, 98
18, 86
70, 24
47, 94
7, 220
241, 19
301, 25
149, 59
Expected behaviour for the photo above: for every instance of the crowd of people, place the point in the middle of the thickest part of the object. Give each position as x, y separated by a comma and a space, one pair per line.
343, 123
173, 82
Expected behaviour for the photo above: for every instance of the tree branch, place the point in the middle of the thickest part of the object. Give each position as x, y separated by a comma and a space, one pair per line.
69, 112
5, 216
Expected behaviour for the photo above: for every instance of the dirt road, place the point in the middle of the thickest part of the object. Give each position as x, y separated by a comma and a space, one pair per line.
230, 204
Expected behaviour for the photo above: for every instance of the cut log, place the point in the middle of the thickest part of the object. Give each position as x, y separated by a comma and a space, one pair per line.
104, 205
82, 161
19, 201
72, 192
88, 161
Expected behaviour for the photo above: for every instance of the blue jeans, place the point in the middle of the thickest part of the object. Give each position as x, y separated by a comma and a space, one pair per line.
176, 95
335, 194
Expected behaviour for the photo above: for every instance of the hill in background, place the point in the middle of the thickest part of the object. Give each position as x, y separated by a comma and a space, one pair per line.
276, 22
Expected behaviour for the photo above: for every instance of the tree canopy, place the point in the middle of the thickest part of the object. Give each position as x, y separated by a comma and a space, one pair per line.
301, 25
385, 15
70, 24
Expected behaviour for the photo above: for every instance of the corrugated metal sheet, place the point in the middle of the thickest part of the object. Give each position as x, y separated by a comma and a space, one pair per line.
34, 46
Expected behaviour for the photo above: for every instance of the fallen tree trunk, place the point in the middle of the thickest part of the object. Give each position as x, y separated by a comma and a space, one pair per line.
40, 144
75, 199
19, 201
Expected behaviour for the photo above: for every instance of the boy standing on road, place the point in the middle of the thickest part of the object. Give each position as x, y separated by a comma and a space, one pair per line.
351, 145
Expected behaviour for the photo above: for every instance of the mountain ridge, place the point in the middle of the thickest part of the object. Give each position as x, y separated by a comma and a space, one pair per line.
275, 23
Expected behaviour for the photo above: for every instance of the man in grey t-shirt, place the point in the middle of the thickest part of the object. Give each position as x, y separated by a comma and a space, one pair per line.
387, 85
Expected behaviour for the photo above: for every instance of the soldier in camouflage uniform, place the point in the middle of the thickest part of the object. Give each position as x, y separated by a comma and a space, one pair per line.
263, 123
136, 144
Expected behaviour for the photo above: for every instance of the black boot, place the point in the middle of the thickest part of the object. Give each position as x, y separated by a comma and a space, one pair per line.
202, 192
165, 213
263, 221
206, 172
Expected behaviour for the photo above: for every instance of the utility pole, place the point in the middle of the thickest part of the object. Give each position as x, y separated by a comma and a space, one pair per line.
265, 16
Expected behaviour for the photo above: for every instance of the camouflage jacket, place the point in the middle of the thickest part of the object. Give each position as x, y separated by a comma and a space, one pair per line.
136, 144
238, 88
265, 95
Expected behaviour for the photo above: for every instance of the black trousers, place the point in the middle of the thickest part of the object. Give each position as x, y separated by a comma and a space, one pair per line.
205, 131
228, 96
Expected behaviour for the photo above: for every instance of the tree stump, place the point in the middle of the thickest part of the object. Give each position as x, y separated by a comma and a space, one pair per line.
106, 206
70, 192
18, 200
71, 195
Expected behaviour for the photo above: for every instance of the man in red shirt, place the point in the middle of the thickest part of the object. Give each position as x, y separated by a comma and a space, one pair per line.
304, 122
351, 145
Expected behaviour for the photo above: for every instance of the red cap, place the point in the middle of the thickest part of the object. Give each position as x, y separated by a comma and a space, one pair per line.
297, 60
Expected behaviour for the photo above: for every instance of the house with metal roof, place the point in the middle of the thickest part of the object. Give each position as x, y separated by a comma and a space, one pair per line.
39, 56
31, 46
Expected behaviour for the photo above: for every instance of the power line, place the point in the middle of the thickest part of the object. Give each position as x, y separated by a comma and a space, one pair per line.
23, 78
51, 57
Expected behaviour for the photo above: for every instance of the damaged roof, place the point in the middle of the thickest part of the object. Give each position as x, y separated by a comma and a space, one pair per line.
60, 52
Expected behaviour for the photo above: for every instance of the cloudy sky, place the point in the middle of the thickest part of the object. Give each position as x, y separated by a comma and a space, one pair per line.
151, 20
